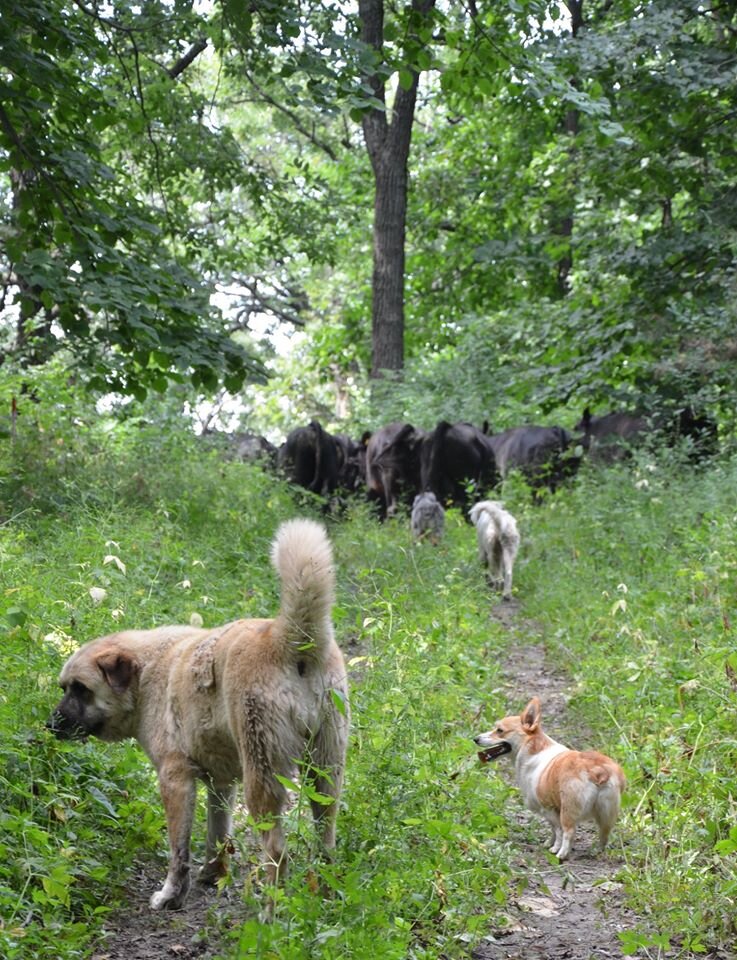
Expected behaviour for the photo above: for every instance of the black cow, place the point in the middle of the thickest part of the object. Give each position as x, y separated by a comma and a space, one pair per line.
544, 455
393, 465
351, 462
454, 458
309, 458
250, 446
700, 430
243, 445
609, 438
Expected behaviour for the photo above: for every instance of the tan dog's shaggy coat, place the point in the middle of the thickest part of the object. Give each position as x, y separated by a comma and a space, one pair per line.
242, 702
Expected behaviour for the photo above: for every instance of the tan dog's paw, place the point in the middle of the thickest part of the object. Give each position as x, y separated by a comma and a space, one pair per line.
168, 898
209, 873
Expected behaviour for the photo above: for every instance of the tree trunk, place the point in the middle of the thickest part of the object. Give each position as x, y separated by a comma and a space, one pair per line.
388, 146
390, 217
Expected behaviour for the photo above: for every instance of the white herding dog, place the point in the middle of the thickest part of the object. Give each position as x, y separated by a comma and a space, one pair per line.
498, 540
565, 786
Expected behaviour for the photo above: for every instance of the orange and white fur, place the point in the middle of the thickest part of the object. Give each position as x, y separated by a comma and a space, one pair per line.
565, 786
498, 541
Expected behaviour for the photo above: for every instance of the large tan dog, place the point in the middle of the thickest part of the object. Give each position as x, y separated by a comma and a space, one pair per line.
244, 701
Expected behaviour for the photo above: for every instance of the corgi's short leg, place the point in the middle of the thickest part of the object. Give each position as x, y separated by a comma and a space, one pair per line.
605, 814
605, 828
568, 833
557, 838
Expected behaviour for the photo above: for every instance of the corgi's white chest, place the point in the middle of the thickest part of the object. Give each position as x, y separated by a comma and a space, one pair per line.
530, 769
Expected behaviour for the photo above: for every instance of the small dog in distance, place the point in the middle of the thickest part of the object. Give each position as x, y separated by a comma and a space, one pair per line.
498, 541
428, 517
565, 786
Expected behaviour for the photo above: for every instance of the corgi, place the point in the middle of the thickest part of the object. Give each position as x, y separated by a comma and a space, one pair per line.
565, 786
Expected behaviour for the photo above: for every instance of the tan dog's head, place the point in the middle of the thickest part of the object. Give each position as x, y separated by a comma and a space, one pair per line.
100, 684
510, 733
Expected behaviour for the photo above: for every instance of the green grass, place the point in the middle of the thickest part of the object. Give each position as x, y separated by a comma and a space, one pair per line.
633, 585
643, 616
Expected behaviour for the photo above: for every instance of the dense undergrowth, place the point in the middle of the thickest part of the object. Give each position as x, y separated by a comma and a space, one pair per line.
630, 573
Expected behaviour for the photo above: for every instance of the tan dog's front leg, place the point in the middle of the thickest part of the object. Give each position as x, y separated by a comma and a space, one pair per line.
178, 792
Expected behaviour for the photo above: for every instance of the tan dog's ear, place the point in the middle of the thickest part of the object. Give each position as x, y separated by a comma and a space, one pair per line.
119, 669
531, 716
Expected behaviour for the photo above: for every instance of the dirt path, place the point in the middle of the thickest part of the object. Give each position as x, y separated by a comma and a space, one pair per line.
572, 911
139, 933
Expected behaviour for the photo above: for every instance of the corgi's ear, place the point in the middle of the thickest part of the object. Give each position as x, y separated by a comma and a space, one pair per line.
531, 716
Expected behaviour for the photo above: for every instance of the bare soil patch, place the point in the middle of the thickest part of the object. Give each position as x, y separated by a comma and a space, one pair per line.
139, 933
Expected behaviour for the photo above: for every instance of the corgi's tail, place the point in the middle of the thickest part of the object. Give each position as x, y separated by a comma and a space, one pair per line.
303, 558
608, 802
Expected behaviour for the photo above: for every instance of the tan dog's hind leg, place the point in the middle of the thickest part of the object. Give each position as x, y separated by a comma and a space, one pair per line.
178, 792
266, 804
219, 828
326, 776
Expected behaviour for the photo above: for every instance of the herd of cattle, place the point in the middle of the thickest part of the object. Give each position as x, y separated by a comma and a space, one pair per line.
396, 462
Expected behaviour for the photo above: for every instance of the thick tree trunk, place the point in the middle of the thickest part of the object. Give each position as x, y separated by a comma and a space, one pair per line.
388, 146
390, 216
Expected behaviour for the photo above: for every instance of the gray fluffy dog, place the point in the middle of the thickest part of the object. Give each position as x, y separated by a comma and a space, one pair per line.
428, 517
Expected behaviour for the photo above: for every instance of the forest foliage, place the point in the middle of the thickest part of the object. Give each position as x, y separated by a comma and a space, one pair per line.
626, 576
175, 178
184, 188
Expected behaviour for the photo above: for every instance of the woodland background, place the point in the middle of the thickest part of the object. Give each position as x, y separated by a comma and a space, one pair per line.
180, 179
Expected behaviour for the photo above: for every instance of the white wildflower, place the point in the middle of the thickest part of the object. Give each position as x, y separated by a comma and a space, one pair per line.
98, 594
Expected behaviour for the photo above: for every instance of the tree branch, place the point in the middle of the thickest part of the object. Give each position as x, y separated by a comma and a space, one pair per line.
298, 125
189, 57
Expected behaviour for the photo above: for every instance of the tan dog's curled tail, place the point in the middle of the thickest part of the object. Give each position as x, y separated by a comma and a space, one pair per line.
303, 558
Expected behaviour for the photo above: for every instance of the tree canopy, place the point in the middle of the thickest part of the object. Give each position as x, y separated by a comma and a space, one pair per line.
170, 172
